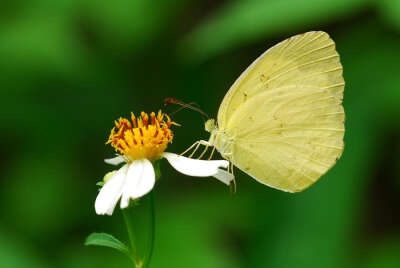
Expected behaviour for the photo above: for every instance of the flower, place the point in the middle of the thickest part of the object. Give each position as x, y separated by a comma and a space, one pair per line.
139, 144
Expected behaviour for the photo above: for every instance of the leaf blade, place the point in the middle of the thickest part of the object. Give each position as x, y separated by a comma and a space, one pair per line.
107, 240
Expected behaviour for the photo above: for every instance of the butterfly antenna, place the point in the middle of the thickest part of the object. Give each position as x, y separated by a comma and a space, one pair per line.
184, 105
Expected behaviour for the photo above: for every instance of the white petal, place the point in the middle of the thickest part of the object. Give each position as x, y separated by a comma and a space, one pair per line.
114, 161
194, 167
111, 192
140, 180
224, 176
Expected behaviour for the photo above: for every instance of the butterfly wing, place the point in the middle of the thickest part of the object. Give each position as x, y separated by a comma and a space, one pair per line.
285, 113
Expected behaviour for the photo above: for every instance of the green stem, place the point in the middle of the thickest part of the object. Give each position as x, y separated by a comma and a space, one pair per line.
150, 244
142, 260
131, 234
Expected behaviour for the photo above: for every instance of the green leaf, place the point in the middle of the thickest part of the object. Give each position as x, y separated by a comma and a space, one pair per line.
107, 240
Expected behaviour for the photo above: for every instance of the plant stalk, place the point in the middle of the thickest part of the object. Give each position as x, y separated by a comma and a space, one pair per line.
131, 235
150, 243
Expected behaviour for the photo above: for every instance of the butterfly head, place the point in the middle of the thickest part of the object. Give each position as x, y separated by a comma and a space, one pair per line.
210, 125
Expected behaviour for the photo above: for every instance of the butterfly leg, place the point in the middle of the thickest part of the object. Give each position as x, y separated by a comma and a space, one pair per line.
230, 184
196, 145
195, 149
204, 151
234, 180
205, 143
212, 153
190, 148
230, 169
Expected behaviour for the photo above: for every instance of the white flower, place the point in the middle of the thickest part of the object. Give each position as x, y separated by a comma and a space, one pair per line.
135, 179
140, 142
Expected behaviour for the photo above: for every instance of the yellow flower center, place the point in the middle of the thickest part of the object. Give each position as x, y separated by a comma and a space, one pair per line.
143, 138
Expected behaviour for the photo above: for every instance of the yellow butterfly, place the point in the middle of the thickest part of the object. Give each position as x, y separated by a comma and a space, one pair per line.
282, 121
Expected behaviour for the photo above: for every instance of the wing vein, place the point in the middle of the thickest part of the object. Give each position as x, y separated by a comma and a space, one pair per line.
335, 85
297, 67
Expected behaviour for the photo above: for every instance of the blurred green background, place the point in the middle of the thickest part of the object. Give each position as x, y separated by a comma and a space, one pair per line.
69, 68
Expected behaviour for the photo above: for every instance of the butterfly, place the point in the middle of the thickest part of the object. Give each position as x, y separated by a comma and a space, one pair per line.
282, 121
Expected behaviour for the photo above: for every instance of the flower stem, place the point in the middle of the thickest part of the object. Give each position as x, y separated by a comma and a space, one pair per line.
139, 258
150, 244
131, 234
